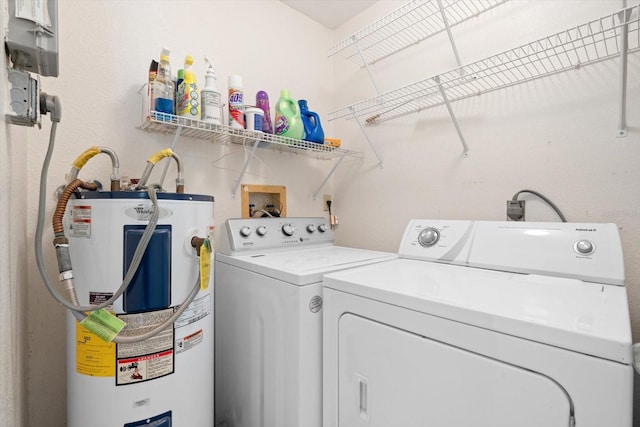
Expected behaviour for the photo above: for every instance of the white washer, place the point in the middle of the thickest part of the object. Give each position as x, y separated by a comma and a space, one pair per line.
489, 324
268, 302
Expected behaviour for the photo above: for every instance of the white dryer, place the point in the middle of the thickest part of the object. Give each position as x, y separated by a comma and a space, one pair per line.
484, 324
268, 335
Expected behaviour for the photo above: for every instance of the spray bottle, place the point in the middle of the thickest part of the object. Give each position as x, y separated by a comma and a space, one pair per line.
211, 99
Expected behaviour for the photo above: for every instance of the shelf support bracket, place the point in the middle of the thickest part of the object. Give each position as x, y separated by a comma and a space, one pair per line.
623, 16
333, 169
452, 115
366, 65
364, 132
448, 28
244, 168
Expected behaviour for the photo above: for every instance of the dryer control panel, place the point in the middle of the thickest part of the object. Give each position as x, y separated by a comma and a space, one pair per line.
586, 251
250, 234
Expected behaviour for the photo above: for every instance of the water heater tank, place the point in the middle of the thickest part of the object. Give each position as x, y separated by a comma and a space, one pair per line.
164, 381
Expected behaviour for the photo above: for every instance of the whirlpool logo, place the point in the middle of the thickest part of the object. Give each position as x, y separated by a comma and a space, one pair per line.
586, 229
144, 212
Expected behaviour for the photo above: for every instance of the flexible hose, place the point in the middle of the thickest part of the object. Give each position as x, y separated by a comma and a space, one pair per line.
133, 268
76, 310
153, 160
87, 155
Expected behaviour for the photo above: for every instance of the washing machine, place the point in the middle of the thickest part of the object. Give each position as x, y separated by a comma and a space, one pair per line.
484, 324
268, 308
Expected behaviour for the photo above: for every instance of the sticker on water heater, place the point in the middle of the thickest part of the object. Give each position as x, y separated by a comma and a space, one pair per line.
81, 221
149, 359
143, 212
188, 342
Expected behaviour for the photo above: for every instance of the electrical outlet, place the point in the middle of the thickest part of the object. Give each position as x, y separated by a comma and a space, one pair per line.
326, 198
515, 210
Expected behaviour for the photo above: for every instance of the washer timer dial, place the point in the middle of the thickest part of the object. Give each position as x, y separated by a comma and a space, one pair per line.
428, 237
288, 229
584, 247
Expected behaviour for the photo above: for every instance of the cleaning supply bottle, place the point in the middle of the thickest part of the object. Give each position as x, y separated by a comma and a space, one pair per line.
288, 120
262, 102
153, 72
211, 99
163, 89
179, 80
188, 96
311, 121
236, 102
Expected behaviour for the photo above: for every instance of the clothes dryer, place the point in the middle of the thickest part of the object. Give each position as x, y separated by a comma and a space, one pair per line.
490, 324
268, 288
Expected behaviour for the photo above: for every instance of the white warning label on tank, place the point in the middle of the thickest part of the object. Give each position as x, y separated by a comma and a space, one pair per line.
198, 309
188, 342
148, 359
81, 221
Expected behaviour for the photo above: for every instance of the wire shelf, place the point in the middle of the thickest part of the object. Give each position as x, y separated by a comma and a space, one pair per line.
169, 124
589, 43
410, 24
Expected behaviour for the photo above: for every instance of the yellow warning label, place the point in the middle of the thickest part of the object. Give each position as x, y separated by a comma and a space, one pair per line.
205, 264
94, 357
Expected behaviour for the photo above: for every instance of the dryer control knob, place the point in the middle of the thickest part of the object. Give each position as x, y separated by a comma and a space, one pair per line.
428, 237
245, 231
262, 230
288, 229
322, 228
311, 228
584, 247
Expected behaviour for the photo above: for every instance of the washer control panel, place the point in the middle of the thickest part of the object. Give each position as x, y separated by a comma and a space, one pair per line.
590, 252
248, 234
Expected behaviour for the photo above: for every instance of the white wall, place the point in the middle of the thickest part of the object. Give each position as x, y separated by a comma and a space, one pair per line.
105, 50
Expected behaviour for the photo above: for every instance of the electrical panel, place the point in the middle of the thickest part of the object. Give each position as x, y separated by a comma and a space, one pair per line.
32, 36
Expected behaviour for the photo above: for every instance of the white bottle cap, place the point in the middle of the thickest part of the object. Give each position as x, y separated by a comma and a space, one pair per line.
235, 80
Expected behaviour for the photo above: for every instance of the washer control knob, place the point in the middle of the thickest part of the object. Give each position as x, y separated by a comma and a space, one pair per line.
584, 247
288, 229
428, 237
245, 231
311, 228
262, 230
322, 228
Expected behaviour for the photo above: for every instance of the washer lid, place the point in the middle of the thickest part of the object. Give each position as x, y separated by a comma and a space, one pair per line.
585, 317
305, 265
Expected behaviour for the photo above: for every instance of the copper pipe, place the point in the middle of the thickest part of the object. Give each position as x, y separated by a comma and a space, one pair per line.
58, 227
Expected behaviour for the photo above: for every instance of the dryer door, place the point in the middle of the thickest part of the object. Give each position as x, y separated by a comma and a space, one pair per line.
390, 377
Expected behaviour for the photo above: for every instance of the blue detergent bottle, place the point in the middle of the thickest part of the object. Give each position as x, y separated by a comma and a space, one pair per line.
311, 121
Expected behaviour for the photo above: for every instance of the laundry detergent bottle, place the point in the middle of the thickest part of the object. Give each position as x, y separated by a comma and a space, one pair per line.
311, 122
288, 119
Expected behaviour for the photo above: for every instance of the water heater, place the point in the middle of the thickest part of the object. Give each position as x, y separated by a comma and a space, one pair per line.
164, 381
